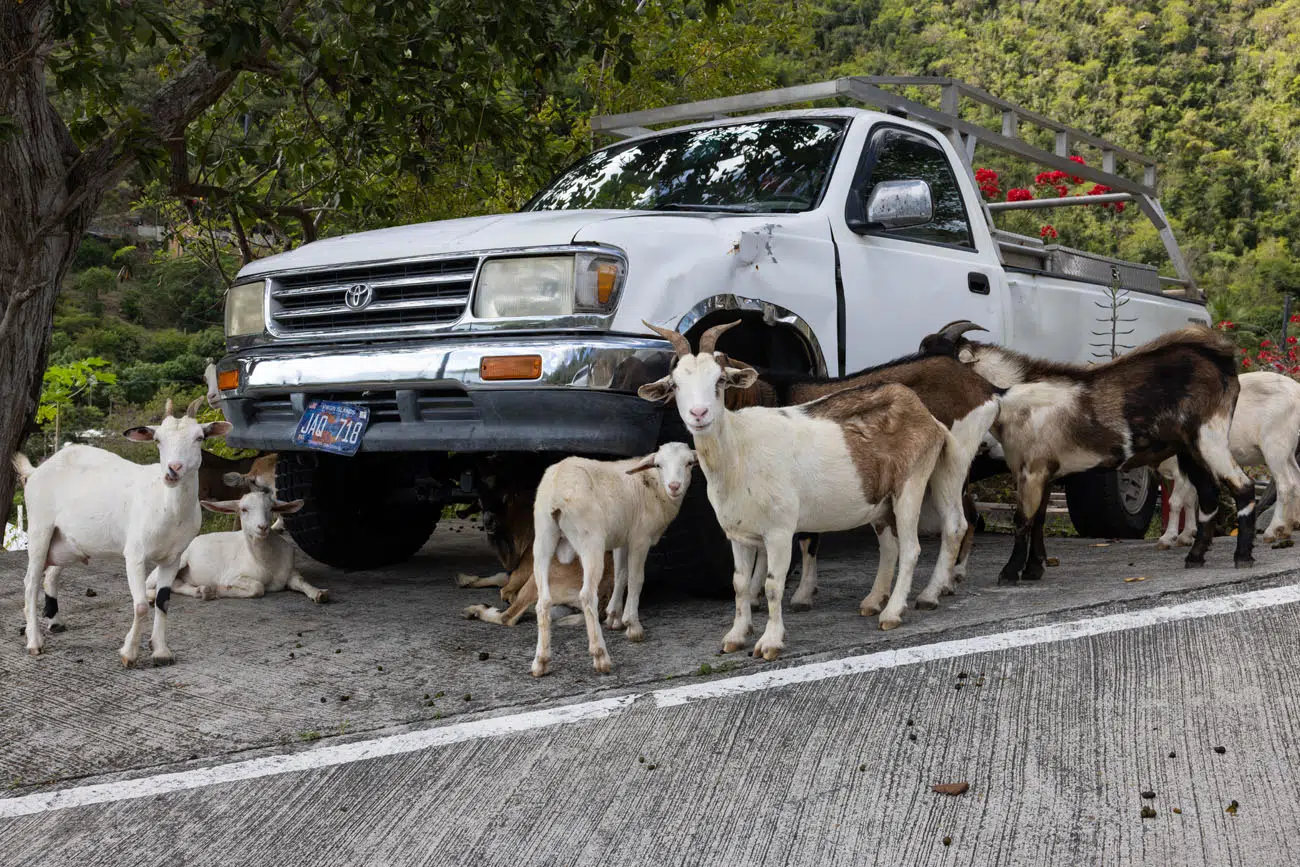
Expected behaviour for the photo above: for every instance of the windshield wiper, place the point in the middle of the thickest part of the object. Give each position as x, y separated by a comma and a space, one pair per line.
689, 206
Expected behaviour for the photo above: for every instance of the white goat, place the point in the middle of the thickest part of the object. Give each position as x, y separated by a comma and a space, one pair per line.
1265, 429
588, 507
210, 377
85, 502
864, 455
247, 562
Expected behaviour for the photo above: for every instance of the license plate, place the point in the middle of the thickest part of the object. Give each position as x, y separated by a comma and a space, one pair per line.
333, 427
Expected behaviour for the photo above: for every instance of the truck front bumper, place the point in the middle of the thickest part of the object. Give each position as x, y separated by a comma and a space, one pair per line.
433, 397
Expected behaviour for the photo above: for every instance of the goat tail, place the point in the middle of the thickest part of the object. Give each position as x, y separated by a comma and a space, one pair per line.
967, 435
548, 539
22, 466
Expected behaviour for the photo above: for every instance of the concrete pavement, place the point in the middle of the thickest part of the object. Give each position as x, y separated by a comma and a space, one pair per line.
1057, 738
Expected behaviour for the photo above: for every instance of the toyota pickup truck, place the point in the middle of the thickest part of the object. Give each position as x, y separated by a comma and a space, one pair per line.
473, 352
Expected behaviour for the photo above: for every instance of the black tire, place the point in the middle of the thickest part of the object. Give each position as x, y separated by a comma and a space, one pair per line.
1102, 506
358, 513
693, 556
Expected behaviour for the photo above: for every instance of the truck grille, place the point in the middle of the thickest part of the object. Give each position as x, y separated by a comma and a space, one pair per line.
398, 296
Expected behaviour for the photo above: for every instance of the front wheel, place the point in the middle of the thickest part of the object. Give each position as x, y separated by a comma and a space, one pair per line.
358, 513
1113, 504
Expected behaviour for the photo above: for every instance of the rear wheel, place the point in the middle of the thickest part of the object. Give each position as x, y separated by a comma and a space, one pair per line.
358, 513
1110, 504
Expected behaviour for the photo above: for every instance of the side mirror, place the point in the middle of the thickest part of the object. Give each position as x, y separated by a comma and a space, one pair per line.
897, 204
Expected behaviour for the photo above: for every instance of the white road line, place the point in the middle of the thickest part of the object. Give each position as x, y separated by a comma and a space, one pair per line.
390, 745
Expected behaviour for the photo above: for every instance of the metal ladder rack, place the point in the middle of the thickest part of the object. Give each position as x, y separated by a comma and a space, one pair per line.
965, 135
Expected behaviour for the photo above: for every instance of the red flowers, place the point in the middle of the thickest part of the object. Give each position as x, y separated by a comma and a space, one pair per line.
988, 183
1048, 233
1019, 194
1295, 317
1265, 344
1290, 341
1245, 362
1080, 161
1050, 177
1098, 190
1226, 325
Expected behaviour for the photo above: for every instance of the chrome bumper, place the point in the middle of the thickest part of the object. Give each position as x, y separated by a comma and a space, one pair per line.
433, 398
601, 363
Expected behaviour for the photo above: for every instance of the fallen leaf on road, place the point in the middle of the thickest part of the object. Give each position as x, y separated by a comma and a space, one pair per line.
1053, 561
1285, 543
950, 788
1136, 578
1231, 808
1100, 545
1233, 533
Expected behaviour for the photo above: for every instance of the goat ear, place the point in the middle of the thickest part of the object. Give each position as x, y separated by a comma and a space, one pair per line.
234, 480
965, 355
216, 429
139, 434
646, 463
287, 508
739, 377
660, 389
225, 507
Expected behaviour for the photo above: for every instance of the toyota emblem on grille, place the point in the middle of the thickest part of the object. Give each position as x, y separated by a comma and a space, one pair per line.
358, 296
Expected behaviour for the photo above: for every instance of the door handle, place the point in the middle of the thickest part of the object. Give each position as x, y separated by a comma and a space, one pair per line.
977, 283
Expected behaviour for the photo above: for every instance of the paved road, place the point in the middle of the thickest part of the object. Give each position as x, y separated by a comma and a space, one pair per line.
1057, 728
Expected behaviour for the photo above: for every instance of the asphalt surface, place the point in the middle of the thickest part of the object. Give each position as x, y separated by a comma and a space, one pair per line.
232, 757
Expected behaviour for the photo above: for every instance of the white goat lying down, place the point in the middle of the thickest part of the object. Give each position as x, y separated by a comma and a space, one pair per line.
864, 455
85, 502
247, 562
1265, 429
588, 507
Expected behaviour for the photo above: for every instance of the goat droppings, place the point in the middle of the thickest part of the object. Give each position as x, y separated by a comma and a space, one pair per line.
947, 841
90, 591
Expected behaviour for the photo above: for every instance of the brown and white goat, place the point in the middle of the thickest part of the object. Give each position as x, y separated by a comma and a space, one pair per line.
1173, 396
950, 390
863, 455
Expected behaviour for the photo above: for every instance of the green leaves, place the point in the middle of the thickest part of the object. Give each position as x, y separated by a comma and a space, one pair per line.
66, 384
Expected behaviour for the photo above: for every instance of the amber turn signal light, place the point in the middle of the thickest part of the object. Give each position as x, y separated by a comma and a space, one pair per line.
606, 276
497, 367
227, 380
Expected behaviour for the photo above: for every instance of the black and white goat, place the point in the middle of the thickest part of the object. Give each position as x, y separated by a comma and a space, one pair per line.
1171, 397
863, 455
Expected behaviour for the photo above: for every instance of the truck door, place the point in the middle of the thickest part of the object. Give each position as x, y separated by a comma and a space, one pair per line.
901, 284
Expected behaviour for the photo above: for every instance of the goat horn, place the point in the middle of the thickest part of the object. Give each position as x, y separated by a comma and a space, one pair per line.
193, 410
168, 409
680, 343
710, 337
953, 330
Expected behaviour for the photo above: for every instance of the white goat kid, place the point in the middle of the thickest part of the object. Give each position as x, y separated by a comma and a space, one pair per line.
864, 455
85, 502
587, 507
243, 563
1265, 429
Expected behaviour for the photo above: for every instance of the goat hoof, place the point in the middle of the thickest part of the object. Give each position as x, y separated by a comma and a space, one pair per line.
615, 623
161, 659
923, 604
1032, 574
1243, 562
1005, 580
1162, 545
57, 628
600, 662
635, 633
472, 612
539, 667
887, 623
34, 651
768, 654
127, 662
732, 646
1193, 562
870, 609
800, 605
322, 598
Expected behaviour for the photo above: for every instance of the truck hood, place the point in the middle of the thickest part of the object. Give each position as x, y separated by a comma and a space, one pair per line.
468, 235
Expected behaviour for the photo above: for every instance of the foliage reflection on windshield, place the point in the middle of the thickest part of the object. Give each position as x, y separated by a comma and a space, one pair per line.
775, 166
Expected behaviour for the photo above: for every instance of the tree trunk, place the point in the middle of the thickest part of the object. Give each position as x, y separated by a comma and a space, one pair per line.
40, 227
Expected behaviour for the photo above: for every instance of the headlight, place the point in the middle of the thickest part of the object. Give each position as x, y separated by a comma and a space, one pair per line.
244, 314
548, 286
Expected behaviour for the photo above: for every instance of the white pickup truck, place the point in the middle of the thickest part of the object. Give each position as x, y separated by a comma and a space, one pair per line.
484, 348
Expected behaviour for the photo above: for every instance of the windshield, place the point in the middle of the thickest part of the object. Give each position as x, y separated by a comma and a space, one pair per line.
773, 166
